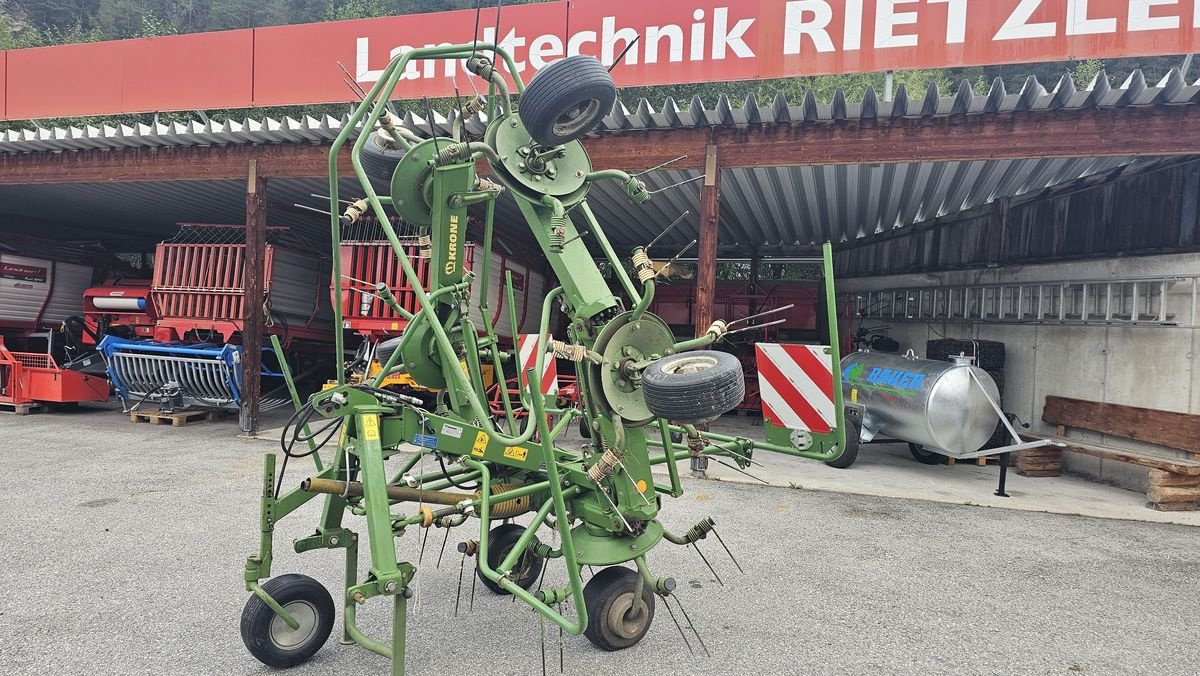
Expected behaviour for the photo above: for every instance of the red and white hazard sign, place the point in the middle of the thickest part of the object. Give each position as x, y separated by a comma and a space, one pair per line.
527, 349
796, 385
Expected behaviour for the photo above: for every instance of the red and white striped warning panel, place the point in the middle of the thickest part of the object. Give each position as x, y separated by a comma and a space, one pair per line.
796, 385
527, 348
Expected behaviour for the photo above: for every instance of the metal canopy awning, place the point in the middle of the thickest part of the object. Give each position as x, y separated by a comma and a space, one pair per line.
767, 210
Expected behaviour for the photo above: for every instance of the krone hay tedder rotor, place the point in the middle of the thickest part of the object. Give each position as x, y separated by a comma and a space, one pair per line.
600, 504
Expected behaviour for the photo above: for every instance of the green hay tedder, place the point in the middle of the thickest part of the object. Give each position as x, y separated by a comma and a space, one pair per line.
597, 506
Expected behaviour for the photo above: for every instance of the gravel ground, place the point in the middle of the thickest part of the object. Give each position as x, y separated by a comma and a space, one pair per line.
124, 548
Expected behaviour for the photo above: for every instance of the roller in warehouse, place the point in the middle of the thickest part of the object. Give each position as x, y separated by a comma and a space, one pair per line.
598, 506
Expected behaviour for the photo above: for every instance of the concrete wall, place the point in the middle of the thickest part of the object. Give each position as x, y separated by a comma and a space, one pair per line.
1152, 367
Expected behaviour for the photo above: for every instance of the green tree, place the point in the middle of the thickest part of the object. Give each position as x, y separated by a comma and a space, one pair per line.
226, 14
6, 34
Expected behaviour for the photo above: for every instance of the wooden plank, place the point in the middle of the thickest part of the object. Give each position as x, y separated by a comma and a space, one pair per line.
1175, 465
1173, 493
1039, 473
1162, 479
1173, 506
1176, 430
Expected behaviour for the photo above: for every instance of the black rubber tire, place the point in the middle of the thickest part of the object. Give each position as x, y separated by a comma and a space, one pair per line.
258, 620
677, 437
925, 457
611, 587
500, 542
694, 387
585, 429
379, 163
850, 455
567, 99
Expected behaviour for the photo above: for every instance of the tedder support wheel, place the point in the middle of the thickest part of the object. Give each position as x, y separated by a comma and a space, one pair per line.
923, 456
270, 639
500, 542
567, 99
850, 455
615, 622
379, 163
694, 387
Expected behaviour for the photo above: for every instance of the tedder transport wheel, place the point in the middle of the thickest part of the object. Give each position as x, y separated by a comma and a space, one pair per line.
614, 623
379, 163
270, 639
848, 457
567, 99
500, 542
923, 456
694, 387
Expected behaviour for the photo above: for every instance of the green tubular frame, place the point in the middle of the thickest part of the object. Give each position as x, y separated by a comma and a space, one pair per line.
555, 481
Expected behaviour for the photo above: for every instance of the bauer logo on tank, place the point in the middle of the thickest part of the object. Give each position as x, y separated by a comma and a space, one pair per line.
527, 348
796, 385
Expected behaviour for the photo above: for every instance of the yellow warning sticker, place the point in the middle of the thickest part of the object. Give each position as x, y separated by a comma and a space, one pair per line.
854, 395
371, 427
481, 442
518, 453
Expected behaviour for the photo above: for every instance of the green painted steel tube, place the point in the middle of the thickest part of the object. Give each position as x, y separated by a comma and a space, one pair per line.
703, 341
609, 253
834, 347
526, 538
668, 445
295, 395
274, 605
351, 580
568, 547
359, 637
643, 303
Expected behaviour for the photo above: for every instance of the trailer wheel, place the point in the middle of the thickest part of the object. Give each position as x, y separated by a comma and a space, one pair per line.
567, 99
378, 162
925, 457
270, 639
585, 428
500, 542
614, 623
850, 455
694, 387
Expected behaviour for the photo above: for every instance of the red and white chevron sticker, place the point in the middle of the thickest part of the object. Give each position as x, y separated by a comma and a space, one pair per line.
527, 349
796, 385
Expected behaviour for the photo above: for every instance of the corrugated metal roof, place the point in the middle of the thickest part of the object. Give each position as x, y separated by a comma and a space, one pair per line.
1033, 95
772, 210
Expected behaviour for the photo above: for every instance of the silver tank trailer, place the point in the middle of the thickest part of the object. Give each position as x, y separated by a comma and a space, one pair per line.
935, 404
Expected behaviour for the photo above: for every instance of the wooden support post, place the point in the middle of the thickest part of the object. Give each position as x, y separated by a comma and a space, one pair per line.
252, 332
706, 264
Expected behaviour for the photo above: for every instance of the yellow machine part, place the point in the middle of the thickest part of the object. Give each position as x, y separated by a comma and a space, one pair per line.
405, 380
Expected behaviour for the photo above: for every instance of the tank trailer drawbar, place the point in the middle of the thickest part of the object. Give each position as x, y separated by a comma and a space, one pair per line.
597, 506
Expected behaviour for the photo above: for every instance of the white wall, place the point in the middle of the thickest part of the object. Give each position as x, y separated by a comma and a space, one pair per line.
1151, 367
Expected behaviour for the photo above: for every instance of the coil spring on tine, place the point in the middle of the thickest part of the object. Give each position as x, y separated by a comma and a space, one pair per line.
641, 263
563, 350
425, 246
700, 530
605, 466
455, 152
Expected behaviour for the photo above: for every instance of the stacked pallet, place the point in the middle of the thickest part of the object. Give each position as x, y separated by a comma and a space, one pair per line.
1046, 461
1171, 492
